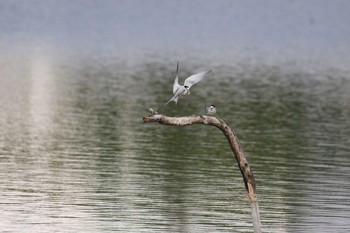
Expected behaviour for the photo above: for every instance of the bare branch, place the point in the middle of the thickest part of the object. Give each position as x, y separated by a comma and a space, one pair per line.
242, 162
237, 150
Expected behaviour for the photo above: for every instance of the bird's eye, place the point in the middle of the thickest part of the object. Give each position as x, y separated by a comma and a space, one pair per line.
186, 87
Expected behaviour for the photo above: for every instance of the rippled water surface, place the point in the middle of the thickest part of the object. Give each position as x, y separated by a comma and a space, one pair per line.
76, 156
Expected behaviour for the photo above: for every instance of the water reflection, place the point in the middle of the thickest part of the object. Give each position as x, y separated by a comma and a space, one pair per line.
76, 156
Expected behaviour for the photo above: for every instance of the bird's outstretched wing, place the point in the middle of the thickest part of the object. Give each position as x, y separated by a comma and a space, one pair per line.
193, 79
176, 82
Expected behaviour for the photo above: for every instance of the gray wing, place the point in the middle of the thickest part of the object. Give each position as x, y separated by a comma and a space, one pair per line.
176, 82
193, 79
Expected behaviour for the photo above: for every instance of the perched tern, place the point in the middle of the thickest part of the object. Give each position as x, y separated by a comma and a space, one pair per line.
179, 90
210, 110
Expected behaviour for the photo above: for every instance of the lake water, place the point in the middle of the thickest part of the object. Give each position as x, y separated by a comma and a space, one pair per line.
77, 157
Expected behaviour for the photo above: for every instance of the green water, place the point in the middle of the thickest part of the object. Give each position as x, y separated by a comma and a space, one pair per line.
76, 156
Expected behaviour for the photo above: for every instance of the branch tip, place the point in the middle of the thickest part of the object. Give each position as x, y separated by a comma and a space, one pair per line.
153, 111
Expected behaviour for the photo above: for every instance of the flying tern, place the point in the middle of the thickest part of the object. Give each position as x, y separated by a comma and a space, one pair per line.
179, 90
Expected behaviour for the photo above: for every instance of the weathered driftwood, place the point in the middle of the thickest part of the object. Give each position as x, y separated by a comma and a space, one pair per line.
243, 165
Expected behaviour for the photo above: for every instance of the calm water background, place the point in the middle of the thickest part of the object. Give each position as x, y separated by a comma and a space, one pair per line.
76, 156
77, 78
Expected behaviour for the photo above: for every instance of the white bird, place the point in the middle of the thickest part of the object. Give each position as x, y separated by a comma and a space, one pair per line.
179, 90
210, 110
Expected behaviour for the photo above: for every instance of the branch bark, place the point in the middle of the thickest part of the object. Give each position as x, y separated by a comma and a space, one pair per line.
242, 162
236, 148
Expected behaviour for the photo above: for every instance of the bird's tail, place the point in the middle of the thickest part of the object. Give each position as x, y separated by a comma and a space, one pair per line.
175, 98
